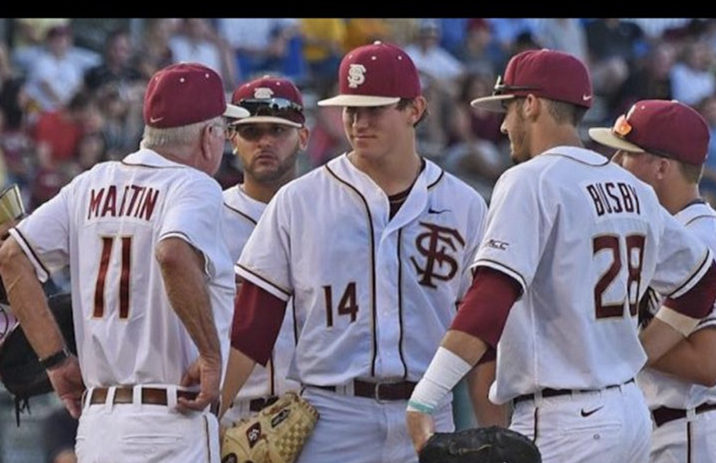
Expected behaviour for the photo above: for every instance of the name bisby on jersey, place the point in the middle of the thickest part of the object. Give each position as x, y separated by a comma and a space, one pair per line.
613, 198
129, 201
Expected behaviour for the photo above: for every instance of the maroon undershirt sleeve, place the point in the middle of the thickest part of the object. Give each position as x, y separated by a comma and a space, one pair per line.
490, 355
258, 315
699, 300
484, 309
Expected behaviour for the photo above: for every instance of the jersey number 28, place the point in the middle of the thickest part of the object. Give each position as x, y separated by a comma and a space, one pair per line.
634, 255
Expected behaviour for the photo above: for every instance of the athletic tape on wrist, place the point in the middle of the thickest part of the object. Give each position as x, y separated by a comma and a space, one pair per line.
444, 372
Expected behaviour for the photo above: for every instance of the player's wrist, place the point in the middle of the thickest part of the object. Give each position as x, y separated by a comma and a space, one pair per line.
56, 359
444, 372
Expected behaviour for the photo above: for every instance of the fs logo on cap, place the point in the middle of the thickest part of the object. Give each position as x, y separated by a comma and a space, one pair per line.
263, 92
356, 75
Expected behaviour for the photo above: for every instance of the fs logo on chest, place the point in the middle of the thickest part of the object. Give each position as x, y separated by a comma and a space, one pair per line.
436, 245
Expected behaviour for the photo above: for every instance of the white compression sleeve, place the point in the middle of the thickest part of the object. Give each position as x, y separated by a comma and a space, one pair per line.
444, 372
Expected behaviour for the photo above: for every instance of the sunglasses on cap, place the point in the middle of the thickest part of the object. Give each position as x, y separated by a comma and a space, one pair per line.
269, 106
502, 88
253, 132
622, 128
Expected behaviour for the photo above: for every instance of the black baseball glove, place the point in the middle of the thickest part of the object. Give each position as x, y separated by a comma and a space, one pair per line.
480, 445
20, 369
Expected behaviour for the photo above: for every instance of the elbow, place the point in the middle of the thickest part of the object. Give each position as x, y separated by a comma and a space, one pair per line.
8, 256
175, 254
169, 255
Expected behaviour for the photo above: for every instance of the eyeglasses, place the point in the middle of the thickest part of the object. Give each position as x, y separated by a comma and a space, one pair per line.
269, 106
501, 89
225, 130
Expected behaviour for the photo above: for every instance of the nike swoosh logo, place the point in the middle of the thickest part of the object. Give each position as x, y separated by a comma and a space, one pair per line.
433, 211
590, 412
586, 97
155, 119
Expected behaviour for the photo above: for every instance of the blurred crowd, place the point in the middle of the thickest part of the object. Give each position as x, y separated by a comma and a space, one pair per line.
71, 89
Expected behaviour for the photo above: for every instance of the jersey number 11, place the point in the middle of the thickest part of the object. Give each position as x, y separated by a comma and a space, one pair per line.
107, 244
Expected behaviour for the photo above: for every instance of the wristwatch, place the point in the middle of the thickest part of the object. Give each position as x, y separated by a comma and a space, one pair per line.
55, 359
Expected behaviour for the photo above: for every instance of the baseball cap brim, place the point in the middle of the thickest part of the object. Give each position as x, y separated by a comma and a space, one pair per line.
491, 103
236, 112
606, 137
359, 100
267, 120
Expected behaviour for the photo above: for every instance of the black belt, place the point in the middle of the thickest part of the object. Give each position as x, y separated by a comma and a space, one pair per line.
379, 391
125, 395
256, 405
548, 392
663, 415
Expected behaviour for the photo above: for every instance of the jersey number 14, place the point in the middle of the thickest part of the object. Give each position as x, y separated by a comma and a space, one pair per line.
346, 306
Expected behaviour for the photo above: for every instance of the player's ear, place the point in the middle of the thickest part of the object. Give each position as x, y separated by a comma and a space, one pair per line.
664, 167
531, 106
303, 134
417, 106
205, 141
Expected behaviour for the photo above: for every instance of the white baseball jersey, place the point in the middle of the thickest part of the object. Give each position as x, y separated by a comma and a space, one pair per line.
665, 390
373, 296
105, 224
584, 238
241, 213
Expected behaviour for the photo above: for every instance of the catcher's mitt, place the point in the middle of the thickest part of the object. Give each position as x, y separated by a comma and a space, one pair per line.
274, 435
480, 445
20, 370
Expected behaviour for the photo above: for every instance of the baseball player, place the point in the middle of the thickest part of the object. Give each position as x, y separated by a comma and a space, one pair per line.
152, 282
571, 243
665, 143
268, 143
374, 248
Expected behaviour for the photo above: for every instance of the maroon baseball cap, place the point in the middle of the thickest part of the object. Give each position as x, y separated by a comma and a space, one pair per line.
186, 93
550, 74
272, 100
375, 75
662, 127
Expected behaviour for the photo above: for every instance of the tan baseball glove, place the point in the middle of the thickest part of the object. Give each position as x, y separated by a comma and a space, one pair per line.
274, 435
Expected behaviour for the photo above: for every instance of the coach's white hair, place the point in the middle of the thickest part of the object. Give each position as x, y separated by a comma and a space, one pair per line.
175, 136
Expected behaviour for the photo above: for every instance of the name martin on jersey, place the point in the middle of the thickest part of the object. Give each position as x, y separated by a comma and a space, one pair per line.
133, 201
613, 198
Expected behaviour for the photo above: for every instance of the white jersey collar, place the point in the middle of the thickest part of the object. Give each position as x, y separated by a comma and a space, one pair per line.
147, 157
694, 210
236, 198
578, 154
344, 168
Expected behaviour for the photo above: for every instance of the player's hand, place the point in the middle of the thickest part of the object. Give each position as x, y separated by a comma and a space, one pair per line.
206, 372
420, 427
66, 378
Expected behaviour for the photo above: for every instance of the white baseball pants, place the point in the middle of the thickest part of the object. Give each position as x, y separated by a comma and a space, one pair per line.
362, 430
608, 426
686, 440
141, 433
